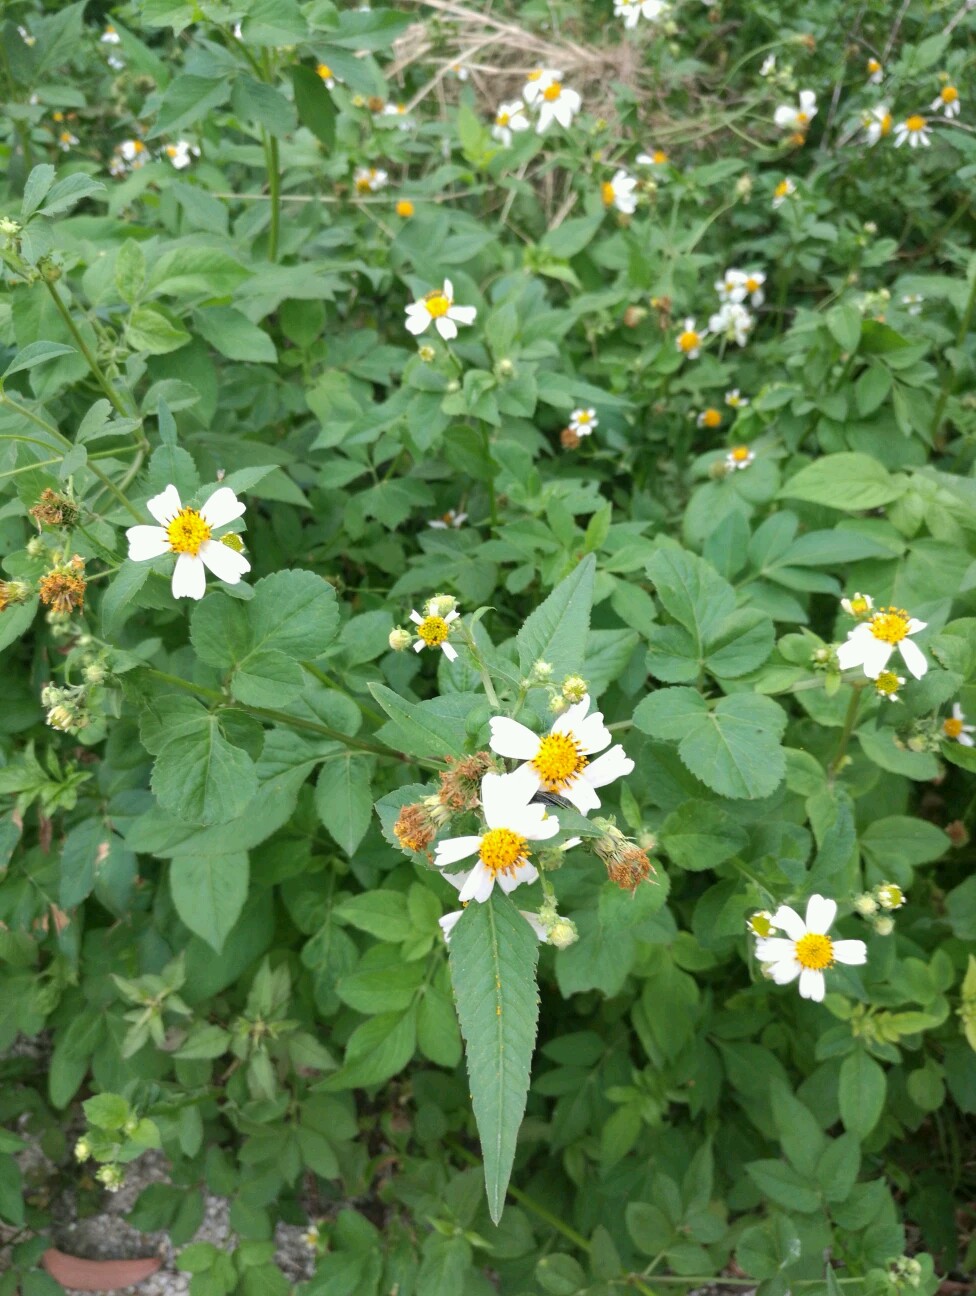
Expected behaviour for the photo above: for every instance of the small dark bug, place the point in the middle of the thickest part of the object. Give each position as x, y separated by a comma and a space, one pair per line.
551, 799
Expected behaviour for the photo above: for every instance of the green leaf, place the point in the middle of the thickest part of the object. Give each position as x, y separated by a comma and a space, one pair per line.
234, 336
191, 269
108, 1111
692, 591
209, 892
493, 956
130, 271
844, 323
35, 189
555, 632
186, 99
437, 727
148, 329
344, 798
861, 1092
850, 482
68, 192
699, 835
201, 777
734, 748
377, 1050
34, 354
381, 913
17, 620
316, 109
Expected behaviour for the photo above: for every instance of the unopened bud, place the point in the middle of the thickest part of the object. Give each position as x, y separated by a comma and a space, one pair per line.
761, 923
557, 704
400, 639
12, 592
111, 1177
441, 605
82, 1150
427, 353
95, 673
574, 688
884, 925
890, 895
541, 671
563, 933
865, 904
505, 368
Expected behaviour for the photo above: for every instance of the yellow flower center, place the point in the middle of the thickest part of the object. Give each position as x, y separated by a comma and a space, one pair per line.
915, 123
753, 285
688, 340
606, 189
782, 189
558, 761
324, 71
433, 630
187, 532
534, 75
363, 184
802, 119
503, 119
58, 116
760, 925
873, 66
886, 124
739, 454
138, 146
948, 94
859, 605
65, 137
887, 683
711, 418
952, 727
659, 157
437, 304
404, 207
814, 951
583, 416
171, 150
502, 851
890, 624
552, 92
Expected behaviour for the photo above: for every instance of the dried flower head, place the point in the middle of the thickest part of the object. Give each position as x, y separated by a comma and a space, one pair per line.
55, 510
63, 588
12, 592
461, 783
568, 439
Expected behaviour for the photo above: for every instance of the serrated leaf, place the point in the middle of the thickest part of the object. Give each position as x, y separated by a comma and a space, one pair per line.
556, 631
34, 354
209, 892
201, 777
850, 482
344, 798
493, 956
699, 835
861, 1091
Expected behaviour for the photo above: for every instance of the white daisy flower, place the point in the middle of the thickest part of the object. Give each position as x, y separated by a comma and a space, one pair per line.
537, 81
438, 308
398, 111
433, 630
656, 158
181, 154
875, 71
739, 457
25, 36
887, 685
806, 950
512, 821
110, 36
956, 729
460, 71
327, 75
559, 762
619, 192
871, 643
188, 533
798, 118
66, 140
913, 303
450, 520
734, 400
784, 190
753, 285
510, 119
369, 180
583, 421
311, 1237
689, 340
913, 129
877, 123
709, 418
557, 103
947, 102
633, 10
731, 287
114, 62
859, 605
733, 322
134, 152
450, 920
761, 923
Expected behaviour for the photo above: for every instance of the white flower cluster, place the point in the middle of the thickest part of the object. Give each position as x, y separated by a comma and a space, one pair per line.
543, 94
732, 320
132, 154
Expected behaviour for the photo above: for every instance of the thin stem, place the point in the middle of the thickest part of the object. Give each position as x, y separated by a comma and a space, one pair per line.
483, 670
274, 188
97, 371
294, 722
849, 721
492, 501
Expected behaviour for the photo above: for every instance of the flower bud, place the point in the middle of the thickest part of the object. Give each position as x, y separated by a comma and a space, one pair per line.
441, 605
82, 1150
505, 368
563, 933
400, 639
890, 895
95, 673
540, 672
884, 926
557, 704
574, 688
427, 353
865, 904
111, 1177
761, 923
12, 592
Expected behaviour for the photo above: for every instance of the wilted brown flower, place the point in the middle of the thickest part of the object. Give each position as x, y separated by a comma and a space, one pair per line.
63, 588
12, 592
55, 510
630, 868
568, 439
461, 784
415, 828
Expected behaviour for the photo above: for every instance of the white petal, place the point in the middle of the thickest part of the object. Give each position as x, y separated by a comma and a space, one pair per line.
785, 972
851, 952
774, 949
509, 881
463, 314
592, 735
876, 655
572, 717
812, 985
966, 740
453, 616
449, 651
146, 542
454, 849
457, 880
165, 506
533, 922
524, 783
222, 507
448, 290
784, 115
225, 563
611, 765
479, 884
446, 327
418, 322
509, 738
449, 922
415, 617
788, 920
913, 657
189, 578
580, 794
419, 646
501, 798
821, 912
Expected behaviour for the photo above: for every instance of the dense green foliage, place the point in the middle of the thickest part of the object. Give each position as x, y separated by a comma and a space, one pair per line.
219, 898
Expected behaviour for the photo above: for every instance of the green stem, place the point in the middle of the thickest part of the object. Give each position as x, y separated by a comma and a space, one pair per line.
97, 371
483, 670
492, 500
947, 378
274, 192
294, 722
330, 683
849, 721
